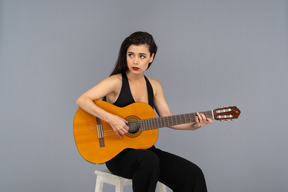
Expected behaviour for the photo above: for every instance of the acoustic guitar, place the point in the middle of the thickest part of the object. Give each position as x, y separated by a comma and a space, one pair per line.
98, 143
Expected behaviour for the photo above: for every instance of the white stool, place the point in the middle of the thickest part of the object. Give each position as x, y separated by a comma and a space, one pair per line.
105, 176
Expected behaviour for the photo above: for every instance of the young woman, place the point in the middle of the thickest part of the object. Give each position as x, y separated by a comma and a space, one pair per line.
128, 84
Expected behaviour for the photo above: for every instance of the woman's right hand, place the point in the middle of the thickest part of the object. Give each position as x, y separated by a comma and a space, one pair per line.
119, 125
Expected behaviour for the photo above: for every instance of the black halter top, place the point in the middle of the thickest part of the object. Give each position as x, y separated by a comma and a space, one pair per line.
125, 97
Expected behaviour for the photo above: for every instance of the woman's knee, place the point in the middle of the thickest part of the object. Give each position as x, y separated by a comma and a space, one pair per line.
147, 159
194, 172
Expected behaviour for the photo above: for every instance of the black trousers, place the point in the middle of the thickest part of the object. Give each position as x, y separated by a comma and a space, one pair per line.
146, 167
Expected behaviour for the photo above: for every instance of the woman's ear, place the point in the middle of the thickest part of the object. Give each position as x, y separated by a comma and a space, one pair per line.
151, 58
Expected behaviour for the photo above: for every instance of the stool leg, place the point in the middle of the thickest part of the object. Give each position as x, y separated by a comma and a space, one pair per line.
119, 187
162, 187
99, 184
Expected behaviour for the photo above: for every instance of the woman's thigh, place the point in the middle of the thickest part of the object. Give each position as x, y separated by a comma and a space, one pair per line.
180, 174
130, 161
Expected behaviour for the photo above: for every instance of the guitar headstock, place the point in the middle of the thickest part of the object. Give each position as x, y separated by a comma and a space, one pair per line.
226, 113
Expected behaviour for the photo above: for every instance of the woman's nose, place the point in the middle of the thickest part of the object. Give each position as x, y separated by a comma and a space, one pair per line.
135, 60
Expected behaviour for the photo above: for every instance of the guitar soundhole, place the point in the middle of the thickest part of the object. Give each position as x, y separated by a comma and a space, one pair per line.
133, 126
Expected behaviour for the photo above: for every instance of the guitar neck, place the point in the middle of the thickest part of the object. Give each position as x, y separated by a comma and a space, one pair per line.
154, 123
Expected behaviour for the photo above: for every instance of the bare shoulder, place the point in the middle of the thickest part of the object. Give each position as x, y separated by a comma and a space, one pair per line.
107, 86
155, 84
114, 80
117, 77
113, 86
154, 81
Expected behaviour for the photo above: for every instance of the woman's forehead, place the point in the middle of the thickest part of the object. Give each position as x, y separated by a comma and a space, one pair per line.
143, 48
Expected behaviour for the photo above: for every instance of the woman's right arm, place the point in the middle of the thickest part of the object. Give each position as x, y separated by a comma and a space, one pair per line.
104, 88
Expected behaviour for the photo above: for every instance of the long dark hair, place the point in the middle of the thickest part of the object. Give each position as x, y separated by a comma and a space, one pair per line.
136, 38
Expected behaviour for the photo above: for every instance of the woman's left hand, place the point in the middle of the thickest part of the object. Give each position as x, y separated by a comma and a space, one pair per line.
201, 121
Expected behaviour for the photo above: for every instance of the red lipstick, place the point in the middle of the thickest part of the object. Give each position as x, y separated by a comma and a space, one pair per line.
135, 68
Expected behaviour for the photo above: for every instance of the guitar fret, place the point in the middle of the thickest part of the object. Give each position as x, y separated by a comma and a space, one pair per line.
140, 124
155, 123
163, 122
173, 120
148, 124
144, 127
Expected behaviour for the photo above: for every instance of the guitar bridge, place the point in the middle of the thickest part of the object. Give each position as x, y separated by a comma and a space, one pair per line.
100, 132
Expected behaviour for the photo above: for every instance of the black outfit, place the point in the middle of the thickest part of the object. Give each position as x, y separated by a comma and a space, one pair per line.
146, 167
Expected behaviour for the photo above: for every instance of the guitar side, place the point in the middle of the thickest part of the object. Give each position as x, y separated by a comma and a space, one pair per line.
87, 136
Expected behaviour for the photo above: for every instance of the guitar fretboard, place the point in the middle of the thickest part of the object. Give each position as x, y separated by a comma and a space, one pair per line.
154, 123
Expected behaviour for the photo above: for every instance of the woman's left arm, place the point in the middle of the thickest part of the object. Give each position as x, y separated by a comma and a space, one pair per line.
162, 109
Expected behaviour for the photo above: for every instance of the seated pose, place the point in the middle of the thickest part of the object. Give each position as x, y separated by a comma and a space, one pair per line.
128, 84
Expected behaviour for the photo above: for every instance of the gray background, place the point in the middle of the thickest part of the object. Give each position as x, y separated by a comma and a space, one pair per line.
211, 53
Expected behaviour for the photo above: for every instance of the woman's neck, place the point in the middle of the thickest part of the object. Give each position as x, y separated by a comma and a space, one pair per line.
134, 77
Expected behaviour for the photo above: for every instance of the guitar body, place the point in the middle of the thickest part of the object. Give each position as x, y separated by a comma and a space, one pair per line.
98, 143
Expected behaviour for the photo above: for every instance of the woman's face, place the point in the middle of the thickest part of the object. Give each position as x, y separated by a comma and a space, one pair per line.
138, 58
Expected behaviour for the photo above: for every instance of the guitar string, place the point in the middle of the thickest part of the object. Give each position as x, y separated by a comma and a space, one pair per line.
146, 124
